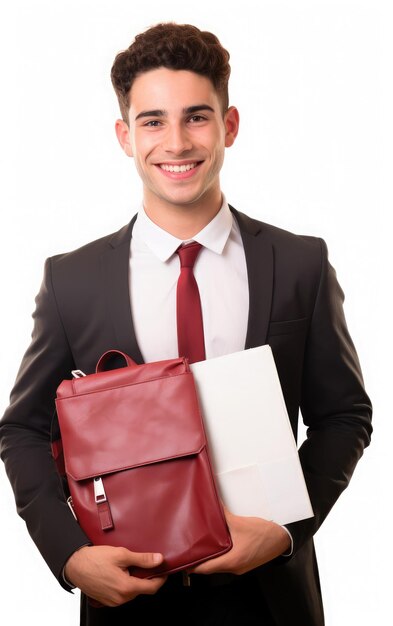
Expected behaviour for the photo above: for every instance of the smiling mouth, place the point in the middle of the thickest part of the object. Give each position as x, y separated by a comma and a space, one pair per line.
179, 169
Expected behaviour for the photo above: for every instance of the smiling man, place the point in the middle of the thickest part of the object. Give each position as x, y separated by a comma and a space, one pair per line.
256, 283
177, 131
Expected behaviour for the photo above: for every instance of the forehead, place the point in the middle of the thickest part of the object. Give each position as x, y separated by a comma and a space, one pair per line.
167, 89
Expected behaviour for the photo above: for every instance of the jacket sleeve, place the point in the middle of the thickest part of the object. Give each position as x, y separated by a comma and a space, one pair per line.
334, 405
25, 436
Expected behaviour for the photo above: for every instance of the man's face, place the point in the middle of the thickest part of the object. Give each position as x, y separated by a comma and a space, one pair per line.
177, 136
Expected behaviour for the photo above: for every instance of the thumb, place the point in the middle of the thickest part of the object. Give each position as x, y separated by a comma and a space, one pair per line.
142, 559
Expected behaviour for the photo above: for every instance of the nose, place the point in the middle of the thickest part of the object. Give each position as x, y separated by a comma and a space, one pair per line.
177, 140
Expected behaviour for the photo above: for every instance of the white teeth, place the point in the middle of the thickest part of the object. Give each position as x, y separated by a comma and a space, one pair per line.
178, 168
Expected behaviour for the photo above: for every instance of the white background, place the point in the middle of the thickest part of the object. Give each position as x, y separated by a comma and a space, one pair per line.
312, 81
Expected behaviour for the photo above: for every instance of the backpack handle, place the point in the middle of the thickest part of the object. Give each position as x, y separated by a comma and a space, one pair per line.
100, 367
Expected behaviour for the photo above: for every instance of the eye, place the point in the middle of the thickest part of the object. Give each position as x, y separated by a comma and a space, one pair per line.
197, 118
152, 123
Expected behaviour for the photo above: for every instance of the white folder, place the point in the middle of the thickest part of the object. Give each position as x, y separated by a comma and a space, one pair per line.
252, 447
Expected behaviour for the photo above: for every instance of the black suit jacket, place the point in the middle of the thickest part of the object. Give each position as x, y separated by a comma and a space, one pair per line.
83, 309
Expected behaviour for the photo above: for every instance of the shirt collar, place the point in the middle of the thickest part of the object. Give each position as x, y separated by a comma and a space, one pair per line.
163, 245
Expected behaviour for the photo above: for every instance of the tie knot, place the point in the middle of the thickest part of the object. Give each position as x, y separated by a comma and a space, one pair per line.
188, 254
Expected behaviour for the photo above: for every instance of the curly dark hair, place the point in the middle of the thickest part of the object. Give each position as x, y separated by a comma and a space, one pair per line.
176, 47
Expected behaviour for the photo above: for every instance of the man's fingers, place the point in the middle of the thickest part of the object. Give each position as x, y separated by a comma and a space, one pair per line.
147, 585
147, 560
102, 573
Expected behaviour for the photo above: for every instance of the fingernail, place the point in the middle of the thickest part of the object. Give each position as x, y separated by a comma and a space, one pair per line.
157, 558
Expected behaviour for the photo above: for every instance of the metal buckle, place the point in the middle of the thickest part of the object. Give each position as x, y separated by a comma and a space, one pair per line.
99, 491
78, 373
71, 507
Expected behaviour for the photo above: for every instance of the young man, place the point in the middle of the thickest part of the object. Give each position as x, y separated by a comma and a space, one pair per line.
258, 284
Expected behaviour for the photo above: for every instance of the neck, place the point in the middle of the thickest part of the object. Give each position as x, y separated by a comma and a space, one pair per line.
183, 221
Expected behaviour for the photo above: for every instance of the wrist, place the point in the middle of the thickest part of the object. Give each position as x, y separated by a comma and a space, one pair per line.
67, 572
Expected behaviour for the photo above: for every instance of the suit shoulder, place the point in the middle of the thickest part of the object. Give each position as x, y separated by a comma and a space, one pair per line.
279, 237
92, 251
298, 259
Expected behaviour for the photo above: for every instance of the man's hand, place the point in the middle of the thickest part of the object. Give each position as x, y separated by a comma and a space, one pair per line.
255, 542
101, 572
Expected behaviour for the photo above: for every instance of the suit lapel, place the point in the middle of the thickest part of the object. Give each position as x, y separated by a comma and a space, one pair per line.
259, 260
115, 267
260, 267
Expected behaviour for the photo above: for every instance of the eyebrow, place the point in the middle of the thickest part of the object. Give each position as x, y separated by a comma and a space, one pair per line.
187, 111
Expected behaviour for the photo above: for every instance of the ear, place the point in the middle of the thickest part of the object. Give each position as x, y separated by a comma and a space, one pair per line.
231, 121
123, 136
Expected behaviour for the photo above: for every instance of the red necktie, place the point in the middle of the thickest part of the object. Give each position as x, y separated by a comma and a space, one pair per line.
189, 313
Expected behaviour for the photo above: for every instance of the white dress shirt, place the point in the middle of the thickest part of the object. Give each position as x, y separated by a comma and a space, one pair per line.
220, 271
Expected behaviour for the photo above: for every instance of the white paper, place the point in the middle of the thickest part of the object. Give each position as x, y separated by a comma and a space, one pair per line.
252, 447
